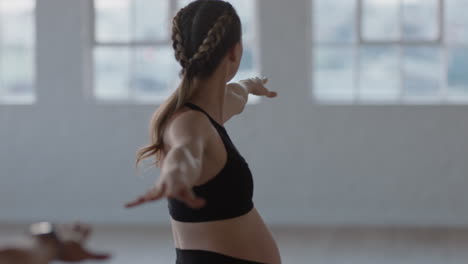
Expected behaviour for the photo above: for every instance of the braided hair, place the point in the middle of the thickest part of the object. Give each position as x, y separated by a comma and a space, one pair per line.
202, 34
212, 40
199, 35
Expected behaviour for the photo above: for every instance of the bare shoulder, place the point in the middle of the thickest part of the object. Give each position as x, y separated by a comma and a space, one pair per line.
187, 125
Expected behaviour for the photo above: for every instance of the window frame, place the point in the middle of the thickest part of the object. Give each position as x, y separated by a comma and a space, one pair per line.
30, 99
2, 95
441, 97
250, 41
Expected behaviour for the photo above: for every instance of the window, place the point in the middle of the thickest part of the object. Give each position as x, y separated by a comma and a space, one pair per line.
133, 56
393, 51
17, 54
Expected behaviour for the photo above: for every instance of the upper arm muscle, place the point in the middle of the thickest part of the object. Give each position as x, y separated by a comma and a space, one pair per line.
189, 130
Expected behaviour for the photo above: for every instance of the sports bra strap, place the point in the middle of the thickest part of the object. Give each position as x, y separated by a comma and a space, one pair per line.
197, 108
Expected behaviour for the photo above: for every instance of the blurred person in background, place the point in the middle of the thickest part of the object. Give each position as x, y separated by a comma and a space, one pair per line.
46, 242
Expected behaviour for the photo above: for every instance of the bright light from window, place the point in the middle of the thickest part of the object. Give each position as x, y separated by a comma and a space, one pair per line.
17, 54
400, 54
134, 60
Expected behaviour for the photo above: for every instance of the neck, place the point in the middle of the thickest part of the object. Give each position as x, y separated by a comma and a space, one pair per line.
209, 94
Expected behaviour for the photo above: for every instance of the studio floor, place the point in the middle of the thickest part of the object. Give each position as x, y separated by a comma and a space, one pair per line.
153, 245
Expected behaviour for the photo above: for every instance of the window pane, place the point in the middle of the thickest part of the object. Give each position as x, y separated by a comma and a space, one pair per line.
156, 73
334, 21
17, 74
113, 20
246, 11
334, 73
248, 59
381, 20
379, 77
247, 67
17, 22
151, 20
422, 71
420, 19
457, 71
112, 73
456, 27
183, 3
17, 58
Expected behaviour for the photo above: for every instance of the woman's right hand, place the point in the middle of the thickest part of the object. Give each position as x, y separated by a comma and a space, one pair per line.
169, 187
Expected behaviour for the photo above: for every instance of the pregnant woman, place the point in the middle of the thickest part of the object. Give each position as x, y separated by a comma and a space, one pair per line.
207, 182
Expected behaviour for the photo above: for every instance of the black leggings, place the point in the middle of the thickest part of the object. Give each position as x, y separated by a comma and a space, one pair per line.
189, 256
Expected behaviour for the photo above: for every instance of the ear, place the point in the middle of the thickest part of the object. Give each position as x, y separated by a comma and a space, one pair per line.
235, 53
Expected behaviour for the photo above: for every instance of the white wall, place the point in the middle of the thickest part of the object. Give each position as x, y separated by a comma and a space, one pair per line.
68, 157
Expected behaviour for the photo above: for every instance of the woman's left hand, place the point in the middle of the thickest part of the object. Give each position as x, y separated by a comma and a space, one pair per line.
256, 86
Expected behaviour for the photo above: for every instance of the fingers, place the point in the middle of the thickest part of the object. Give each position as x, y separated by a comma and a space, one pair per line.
262, 80
97, 256
153, 194
257, 87
182, 193
188, 196
271, 94
135, 202
156, 193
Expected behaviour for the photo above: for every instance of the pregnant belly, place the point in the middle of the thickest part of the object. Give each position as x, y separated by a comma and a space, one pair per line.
245, 237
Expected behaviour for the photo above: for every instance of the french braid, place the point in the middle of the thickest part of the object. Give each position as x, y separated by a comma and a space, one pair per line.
177, 40
224, 32
212, 40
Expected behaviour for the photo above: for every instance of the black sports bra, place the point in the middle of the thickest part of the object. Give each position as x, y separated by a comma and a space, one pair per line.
228, 195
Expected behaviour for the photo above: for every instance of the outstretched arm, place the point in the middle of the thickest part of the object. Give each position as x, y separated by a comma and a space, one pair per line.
237, 95
181, 167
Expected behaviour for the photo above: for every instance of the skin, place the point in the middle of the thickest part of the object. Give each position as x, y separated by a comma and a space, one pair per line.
195, 154
31, 250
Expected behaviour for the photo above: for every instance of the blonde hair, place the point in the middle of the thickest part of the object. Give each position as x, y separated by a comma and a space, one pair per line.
189, 65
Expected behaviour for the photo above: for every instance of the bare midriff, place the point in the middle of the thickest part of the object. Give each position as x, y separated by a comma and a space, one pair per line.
244, 237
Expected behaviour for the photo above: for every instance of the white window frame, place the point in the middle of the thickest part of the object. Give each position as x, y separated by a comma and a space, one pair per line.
127, 44
2, 96
5, 99
442, 97
173, 8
